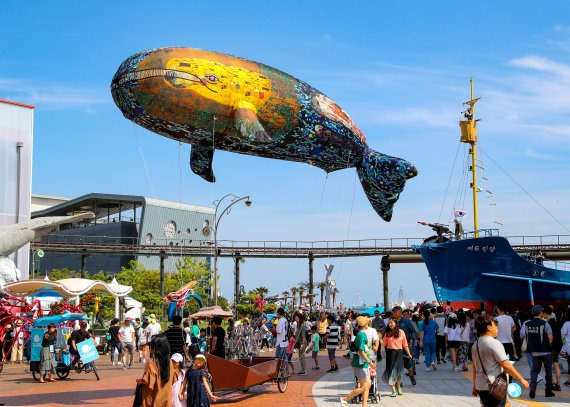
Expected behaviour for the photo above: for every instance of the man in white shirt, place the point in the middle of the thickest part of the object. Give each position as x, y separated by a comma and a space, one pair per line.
127, 337
506, 327
281, 329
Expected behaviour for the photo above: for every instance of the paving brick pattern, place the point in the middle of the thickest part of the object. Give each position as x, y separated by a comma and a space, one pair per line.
442, 388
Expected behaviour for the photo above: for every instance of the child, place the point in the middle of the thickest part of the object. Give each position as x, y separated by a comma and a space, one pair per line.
199, 392
314, 346
177, 362
202, 341
290, 349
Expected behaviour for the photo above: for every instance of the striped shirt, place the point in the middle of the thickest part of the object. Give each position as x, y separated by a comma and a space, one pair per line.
333, 332
175, 336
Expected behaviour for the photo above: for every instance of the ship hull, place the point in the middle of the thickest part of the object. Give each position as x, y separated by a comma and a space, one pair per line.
479, 273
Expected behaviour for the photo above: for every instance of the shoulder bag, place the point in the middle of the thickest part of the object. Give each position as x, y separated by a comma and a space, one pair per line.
497, 389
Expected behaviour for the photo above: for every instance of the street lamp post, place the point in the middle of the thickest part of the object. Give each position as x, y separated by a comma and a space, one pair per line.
234, 199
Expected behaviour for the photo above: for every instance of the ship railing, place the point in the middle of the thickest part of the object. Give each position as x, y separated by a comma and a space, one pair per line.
558, 265
481, 233
538, 240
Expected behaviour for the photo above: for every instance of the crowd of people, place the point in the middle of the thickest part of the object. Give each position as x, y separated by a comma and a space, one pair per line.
383, 346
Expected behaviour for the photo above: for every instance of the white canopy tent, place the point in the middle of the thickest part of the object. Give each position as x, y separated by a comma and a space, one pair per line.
70, 287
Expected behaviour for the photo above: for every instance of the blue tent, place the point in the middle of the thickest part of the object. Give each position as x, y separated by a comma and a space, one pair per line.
370, 311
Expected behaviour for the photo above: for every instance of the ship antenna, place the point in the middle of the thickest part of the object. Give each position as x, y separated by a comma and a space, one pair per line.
469, 136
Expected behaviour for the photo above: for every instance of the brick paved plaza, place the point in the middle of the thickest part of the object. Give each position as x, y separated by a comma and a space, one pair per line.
317, 389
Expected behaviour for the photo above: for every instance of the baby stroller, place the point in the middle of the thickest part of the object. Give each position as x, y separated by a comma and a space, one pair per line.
373, 394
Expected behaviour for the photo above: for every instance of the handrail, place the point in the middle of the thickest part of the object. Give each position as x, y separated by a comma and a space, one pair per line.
289, 244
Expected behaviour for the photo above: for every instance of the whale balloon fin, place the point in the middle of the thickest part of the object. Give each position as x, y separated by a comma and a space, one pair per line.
247, 123
383, 179
201, 162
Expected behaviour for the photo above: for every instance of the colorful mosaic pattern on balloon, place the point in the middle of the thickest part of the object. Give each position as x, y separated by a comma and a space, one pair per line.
217, 101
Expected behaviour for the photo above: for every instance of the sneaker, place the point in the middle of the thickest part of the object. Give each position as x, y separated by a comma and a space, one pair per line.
439, 362
335, 368
315, 368
549, 393
413, 379
114, 363
556, 387
343, 403
302, 374
119, 363
443, 361
124, 367
433, 367
330, 370
399, 391
144, 360
429, 369
532, 394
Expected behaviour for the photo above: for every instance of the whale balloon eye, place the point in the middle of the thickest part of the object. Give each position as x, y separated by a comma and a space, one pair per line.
212, 78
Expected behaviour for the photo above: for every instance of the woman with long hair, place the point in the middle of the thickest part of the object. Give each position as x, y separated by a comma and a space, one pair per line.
464, 336
395, 344
301, 340
452, 339
158, 375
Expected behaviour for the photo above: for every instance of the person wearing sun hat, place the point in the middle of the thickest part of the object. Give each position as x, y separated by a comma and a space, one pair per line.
196, 386
177, 362
360, 363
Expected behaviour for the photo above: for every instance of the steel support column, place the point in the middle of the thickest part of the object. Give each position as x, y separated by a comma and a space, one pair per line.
83, 264
385, 267
162, 257
237, 260
311, 281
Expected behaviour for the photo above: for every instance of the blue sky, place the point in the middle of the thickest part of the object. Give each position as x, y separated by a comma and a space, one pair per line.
400, 69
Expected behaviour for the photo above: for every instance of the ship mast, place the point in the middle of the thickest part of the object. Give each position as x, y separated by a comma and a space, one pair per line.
469, 136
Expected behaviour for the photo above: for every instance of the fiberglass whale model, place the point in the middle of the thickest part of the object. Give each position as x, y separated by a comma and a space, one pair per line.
213, 100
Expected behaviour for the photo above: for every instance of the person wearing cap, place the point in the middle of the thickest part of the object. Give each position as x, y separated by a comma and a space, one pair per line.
538, 334
196, 386
177, 361
75, 339
361, 362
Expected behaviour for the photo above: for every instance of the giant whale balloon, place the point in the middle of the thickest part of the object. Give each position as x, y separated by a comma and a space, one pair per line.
217, 101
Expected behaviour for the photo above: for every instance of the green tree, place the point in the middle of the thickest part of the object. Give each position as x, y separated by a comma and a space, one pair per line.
294, 292
322, 286
335, 291
285, 294
261, 291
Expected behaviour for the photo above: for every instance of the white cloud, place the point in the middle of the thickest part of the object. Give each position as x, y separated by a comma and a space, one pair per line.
52, 95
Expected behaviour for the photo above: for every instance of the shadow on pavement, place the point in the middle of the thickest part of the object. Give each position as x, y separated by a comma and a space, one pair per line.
71, 398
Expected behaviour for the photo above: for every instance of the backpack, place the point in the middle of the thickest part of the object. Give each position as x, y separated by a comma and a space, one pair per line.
352, 347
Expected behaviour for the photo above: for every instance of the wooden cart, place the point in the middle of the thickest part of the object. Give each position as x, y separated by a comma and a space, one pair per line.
241, 374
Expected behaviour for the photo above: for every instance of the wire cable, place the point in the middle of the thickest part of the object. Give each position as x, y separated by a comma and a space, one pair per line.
144, 161
525, 191
448, 182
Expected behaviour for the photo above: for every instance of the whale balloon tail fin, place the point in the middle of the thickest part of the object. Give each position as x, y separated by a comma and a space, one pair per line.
383, 179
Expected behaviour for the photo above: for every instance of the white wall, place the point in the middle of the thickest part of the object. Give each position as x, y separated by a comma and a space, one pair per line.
16, 125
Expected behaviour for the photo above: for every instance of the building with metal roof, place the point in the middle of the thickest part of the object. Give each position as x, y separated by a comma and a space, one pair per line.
123, 219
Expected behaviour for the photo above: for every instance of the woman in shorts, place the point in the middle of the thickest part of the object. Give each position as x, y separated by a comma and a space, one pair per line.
360, 363
453, 339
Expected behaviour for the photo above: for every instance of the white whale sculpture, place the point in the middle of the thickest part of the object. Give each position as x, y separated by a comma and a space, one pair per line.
13, 237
